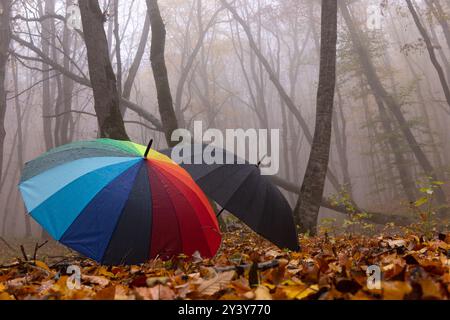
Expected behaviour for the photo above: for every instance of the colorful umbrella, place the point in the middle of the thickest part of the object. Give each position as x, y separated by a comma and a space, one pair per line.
240, 188
118, 202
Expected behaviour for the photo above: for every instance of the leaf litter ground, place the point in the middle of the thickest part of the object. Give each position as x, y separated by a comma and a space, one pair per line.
247, 267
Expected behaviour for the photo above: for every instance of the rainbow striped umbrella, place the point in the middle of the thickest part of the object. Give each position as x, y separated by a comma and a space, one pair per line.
119, 202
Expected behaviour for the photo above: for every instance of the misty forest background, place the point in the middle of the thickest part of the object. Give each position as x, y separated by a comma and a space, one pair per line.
236, 64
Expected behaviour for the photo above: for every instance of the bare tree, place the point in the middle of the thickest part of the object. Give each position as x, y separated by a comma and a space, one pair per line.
20, 138
117, 40
5, 37
67, 86
310, 198
187, 66
165, 103
430, 50
103, 79
132, 72
276, 82
378, 89
46, 34
437, 10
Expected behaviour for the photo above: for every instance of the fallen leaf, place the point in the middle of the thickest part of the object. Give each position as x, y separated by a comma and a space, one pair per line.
121, 293
395, 290
102, 271
108, 293
262, 293
101, 281
6, 296
430, 289
211, 286
156, 280
42, 265
160, 292
196, 257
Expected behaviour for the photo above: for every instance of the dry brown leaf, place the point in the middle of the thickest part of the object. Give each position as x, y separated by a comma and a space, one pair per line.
121, 293
337, 265
430, 289
213, 285
107, 293
395, 290
6, 296
262, 293
101, 281
143, 293
160, 292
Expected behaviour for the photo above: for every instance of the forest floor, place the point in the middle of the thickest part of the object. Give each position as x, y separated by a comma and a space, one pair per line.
246, 267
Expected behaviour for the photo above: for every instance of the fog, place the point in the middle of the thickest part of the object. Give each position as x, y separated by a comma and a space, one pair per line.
217, 76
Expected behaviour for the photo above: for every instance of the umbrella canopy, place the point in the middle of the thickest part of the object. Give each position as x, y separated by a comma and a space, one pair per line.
118, 202
242, 190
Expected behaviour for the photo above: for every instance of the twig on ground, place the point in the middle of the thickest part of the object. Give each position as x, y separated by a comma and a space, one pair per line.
13, 265
37, 247
32, 266
385, 251
65, 260
22, 249
10, 247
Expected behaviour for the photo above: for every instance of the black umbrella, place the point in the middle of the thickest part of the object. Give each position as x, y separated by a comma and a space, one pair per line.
242, 190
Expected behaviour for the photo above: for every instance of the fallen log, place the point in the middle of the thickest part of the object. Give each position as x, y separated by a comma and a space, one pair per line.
374, 217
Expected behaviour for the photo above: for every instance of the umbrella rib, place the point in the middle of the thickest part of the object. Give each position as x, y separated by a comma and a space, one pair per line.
51, 190
32, 165
187, 198
97, 193
126, 146
237, 171
264, 206
237, 189
120, 215
171, 202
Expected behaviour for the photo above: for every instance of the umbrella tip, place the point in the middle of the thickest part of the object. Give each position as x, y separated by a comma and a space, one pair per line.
148, 148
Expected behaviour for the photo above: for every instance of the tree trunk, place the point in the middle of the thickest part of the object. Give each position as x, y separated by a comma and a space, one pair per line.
422, 103
430, 50
341, 143
5, 38
436, 8
276, 82
187, 66
132, 72
118, 53
310, 198
67, 88
103, 80
372, 147
405, 175
165, 103
378, 89
46, 92
20, 140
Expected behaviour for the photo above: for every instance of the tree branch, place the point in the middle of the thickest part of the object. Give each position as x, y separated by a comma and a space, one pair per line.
94, 115
86, 82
